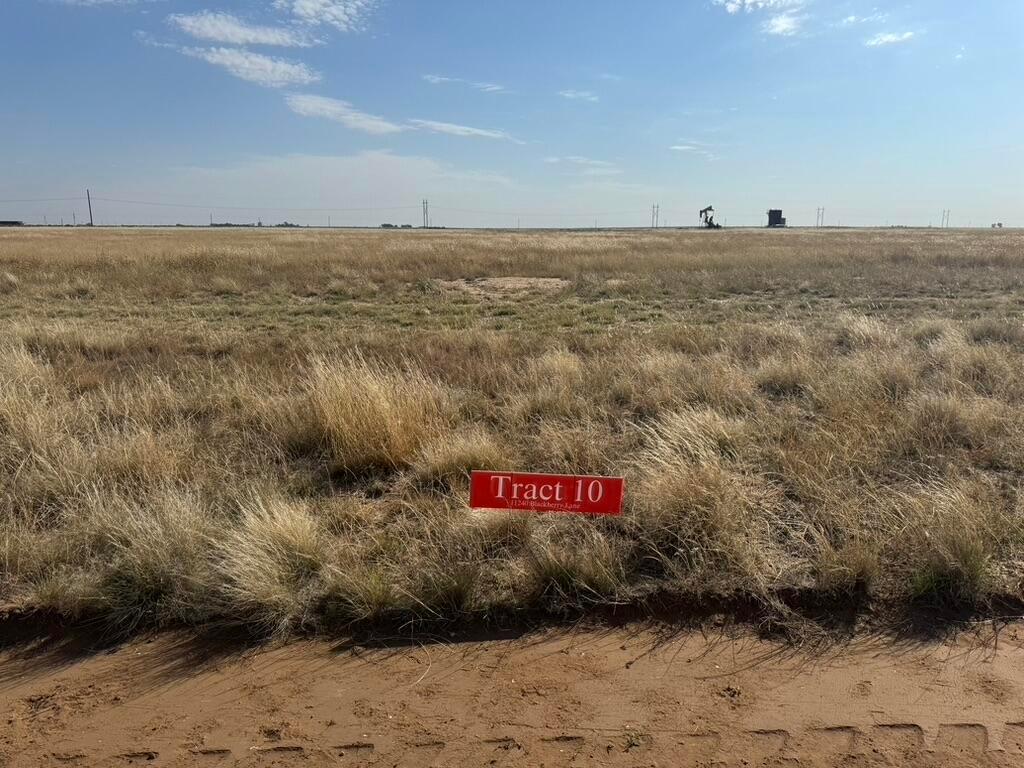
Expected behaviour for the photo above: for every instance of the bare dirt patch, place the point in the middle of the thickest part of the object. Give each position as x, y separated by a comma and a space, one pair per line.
505, 286
624, 697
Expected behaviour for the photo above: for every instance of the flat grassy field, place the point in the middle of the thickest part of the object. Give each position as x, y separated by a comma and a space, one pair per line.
275, 428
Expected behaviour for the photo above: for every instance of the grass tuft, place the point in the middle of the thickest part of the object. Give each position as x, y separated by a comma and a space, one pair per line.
372, 416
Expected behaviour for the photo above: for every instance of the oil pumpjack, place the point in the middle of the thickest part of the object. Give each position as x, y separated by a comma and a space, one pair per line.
707, 218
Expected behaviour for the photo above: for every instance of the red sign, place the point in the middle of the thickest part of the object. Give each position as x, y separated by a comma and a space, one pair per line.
582, 494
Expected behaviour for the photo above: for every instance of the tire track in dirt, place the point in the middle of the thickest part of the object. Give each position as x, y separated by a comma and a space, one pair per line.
885, 744
611, 698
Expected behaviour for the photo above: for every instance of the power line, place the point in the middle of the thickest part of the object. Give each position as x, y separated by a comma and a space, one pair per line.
247, 207
656, 210
47, 200
515, 218
580, 214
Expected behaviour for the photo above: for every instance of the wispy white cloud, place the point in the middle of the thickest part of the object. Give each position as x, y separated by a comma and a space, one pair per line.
481, 177
784, 24
786, 19
309, 105
453, 129
586, 166
889, 38
345, 15
577, 159
695, 148
225, 28
485, 87
735, 6
850, 21
578, 95
147, 39
437, 79
97, 3
267, 71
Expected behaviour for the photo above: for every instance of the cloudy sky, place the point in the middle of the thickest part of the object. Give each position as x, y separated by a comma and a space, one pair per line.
533, 112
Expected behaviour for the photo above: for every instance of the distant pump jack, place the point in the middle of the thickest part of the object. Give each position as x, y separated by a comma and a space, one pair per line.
707, 218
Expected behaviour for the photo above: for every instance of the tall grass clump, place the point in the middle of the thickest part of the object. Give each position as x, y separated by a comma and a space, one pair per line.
372, 416
958, 542
703, 519
270, 565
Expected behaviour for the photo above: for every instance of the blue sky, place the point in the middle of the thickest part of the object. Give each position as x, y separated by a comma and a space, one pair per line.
539, 113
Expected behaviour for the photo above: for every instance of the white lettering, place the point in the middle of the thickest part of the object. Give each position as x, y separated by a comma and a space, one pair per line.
502, 483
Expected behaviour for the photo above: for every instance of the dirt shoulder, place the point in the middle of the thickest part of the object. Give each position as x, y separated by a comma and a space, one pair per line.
623, 697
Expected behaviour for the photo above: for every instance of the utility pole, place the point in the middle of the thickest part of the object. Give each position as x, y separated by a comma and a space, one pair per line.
88, 197
74, 219
426, 213
655, 211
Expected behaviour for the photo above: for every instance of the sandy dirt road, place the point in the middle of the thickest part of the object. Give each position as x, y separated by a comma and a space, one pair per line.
571, 698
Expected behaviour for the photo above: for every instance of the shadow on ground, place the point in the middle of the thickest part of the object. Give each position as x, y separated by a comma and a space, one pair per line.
799, 624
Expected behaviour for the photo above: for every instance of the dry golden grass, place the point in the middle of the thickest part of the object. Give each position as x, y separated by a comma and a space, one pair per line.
276, 428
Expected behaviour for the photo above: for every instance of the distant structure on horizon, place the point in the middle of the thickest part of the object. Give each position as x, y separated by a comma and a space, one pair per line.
775, 218
707, 218
12, 223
